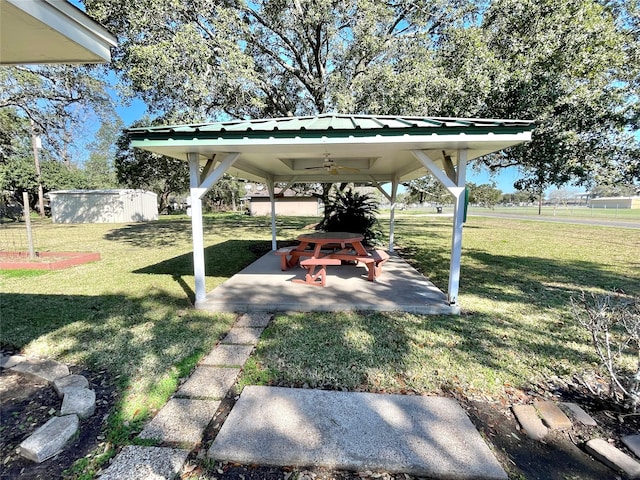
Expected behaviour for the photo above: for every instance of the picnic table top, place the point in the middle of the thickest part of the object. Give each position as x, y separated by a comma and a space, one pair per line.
331, 237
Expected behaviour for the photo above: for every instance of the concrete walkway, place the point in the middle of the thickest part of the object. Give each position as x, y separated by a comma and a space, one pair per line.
419, 435
181, 422
263, 287
295, 427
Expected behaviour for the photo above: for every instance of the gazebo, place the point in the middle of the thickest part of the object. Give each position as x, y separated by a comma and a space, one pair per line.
334, 148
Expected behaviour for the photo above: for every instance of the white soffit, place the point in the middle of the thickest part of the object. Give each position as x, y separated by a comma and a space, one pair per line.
50, 31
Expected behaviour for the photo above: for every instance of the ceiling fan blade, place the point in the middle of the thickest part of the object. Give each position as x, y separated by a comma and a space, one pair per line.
348, 169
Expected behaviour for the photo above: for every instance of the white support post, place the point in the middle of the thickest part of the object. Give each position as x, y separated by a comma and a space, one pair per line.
272, 197
196, 226
392, 201
433, 168
199, 187
392, 214
456, 237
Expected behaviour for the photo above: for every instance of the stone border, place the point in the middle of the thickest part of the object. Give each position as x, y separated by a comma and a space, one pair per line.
78, 403
543, 416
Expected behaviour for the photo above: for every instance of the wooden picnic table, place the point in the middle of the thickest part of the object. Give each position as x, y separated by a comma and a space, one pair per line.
330, 248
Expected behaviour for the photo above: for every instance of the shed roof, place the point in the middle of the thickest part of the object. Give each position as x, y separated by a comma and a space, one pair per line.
365, 147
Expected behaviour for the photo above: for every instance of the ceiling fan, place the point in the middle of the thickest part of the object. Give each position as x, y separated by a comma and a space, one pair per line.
330, 165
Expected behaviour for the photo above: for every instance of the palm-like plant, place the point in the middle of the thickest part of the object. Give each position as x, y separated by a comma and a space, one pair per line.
351, 211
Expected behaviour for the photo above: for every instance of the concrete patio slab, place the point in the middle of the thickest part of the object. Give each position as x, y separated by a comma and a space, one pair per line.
425, 436
263, 287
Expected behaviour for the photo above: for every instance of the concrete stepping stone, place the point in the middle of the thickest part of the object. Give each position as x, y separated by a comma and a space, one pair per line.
70, 381
80, 401
209, 382
633, 443
48, 370
417, 435
613, 458
253, 320
530, 422
243, 335
146, 463
181, 420
8, 361
228, 355
579, 415
50, 438
552, 416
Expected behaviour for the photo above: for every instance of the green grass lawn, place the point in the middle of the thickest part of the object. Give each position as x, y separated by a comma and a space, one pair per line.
568, 211
516, 327
131, 313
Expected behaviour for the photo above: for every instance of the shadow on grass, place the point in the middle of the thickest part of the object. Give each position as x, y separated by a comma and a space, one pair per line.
101, 327
172, 231
221, 260
331, 351
518, 279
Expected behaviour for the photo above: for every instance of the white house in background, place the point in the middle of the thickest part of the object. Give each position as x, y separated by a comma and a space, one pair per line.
615, 202
103, 206
287, 203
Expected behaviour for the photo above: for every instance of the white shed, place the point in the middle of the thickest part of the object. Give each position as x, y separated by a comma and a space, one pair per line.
103, 206
615, 202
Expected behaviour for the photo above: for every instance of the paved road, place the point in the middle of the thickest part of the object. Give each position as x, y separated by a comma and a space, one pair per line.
602, 222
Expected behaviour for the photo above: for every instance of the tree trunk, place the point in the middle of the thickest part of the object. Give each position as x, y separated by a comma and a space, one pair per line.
540, 202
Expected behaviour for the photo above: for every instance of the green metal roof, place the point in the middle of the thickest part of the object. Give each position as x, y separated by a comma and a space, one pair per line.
366, 147
333, 123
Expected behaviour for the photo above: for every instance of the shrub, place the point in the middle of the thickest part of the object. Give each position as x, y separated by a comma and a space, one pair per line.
351, 211
613, 322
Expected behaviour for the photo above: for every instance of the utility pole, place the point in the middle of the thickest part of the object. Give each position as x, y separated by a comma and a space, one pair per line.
36, 144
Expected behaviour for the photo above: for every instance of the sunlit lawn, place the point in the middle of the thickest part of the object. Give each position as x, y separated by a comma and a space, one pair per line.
516, 327
131, 313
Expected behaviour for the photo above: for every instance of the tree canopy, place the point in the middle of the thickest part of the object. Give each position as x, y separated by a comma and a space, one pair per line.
571, 65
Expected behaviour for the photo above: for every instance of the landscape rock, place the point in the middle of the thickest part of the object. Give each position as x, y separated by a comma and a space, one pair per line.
633, 443
614, 458
50, 438
80, 401
70, 381
48, 370
554, 418
579, 415
528, 418
8, 361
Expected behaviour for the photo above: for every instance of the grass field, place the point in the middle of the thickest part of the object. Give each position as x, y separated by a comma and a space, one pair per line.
130, 313
569, 211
